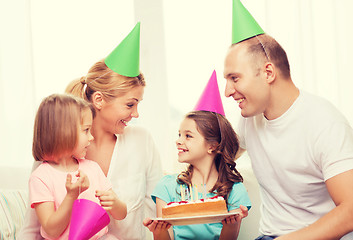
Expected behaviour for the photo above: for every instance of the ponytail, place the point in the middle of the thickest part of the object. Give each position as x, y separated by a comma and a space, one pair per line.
77, 88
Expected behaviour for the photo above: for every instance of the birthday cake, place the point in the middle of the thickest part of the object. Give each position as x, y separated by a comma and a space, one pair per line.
209, 206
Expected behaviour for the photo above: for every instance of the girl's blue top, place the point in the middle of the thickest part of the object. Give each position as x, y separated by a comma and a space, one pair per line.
168, 190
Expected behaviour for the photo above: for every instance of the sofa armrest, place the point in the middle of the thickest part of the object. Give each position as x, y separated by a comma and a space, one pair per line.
13, 204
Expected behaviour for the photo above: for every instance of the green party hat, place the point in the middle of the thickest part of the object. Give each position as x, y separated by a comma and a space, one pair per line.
244, 25
125, 58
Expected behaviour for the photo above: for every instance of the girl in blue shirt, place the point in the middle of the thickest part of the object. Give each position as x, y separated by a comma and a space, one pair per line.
208, 143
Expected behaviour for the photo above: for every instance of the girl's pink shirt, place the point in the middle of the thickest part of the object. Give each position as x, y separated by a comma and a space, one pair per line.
47, 184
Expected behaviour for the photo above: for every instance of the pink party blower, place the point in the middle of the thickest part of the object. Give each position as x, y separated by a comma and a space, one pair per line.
87, 219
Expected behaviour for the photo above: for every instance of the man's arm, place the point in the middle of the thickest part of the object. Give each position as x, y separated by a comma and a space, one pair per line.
339, 221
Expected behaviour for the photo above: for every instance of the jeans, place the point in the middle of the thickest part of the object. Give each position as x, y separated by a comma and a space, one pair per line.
263, 237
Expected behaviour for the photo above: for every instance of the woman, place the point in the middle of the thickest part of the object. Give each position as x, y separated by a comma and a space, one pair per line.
126, 154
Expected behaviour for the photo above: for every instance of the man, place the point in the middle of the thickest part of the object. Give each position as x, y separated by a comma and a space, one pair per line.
300, 146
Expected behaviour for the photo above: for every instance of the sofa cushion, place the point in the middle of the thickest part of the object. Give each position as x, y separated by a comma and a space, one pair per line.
13, 205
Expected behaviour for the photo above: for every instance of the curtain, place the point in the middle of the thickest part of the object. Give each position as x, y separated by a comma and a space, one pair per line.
16, 84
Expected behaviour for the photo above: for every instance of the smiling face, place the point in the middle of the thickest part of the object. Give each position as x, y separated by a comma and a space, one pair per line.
84, 136
192, 147
246, 81
116, 113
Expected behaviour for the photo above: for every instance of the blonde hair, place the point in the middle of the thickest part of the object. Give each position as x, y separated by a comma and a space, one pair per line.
103, 79
56, 126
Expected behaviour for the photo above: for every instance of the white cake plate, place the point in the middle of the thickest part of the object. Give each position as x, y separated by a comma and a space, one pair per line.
197, 219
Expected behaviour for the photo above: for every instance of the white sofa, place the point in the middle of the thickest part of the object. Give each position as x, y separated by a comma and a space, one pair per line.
14, 200
249, 229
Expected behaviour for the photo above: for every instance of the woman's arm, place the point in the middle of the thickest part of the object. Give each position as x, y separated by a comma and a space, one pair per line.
153, 175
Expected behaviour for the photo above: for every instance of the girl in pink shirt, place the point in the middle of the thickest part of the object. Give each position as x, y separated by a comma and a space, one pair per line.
61, 137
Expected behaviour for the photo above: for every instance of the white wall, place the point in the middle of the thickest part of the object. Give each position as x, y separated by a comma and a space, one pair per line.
45, 44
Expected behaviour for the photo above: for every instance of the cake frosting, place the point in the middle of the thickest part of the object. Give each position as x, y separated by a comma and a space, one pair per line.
208, 206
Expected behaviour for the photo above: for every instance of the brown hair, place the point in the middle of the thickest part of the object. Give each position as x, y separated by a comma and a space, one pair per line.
103, 79
265, 48
55, 126
217, 130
